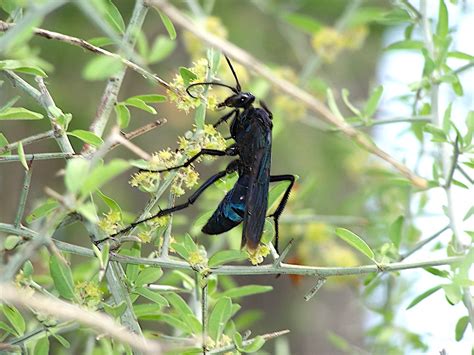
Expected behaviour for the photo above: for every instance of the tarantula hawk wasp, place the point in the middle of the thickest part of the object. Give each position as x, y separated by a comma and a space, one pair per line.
251, 129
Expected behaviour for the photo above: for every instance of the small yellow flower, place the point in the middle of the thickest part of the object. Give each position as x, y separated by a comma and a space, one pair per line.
89, 294
328, 43
146, 181
198, 257
211, 24
111, 223
257, 256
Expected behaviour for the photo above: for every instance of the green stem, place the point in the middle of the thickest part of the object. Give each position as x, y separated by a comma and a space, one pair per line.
23, 196
39, 156
25, 141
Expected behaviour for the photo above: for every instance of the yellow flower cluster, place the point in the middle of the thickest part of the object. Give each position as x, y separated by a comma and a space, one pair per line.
198, 258
111, 223
329, 43
257, 256
183, 101
89, 294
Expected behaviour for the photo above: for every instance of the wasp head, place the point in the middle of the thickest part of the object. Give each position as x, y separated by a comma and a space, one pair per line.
239, 100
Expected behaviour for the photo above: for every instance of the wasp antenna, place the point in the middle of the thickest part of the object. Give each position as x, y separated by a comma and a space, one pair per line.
237, 87
210, 83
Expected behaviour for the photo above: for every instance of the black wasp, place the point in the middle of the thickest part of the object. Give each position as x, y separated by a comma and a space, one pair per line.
251, 129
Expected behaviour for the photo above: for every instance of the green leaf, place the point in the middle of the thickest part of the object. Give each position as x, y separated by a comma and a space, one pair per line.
42, 210
189, 243
275, 193
350, 106
19, 113
461, 326
443, 21
11, 242
42, 346
87, 137
437, 133
246, 290
76, 173
162, 48
226, 256
152, 296
148, 276
100, 41
3, 143
111, 203
21, 156
168, 25
102, 174
447, 119
61, 340
333, 105
179, 304
396, 231
219, 317
123, 115
102, 67
113, 17
15, 318
7, 328
151, 98
62, 277
355, 241
373, 101
21, 67
115, 310
453, 293
437, 272
407, 45
136, 102
254, 346
187, 75
424, 295
461, 55
303, 22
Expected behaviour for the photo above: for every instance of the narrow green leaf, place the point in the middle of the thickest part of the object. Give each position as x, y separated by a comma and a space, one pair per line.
437, 133
61, 340
275, 193
87, 137
424, 295
152, 296
447, 118
42, 210
101, 174
151, 98
111, 203
148, 276
42, 346
180, 306
437, 272
76, 173
189, 243
219, 317
100, 41
136, 102
187, 75
21, 155
102, 67
114, 17
3, 143
21, 67
406, 44
333, 105
246, 290
350, 106
254, 346
168, 25
461, 326
15, 318
226, 256
303, 22
123, 115
460, 55
11, 241
373, 102
7, 328
162, 48
115, 310
355, 241
453, 293
396, 231
62, 277
443, 22
19, 113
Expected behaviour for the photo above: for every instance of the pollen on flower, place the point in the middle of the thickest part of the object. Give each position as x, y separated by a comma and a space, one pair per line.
257, 256
111, 223
197, 257
328, 43
145, 180
89, 293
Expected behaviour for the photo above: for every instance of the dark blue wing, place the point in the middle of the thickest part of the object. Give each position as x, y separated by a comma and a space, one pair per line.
230, 211
257, 198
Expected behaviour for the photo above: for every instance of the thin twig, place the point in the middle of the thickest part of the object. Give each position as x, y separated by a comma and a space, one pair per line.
78, 42
67, 311
24, 194
231, 347
466, 175
39, 156
423, 242
140, 131
287, 87
28, 140
289, 269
